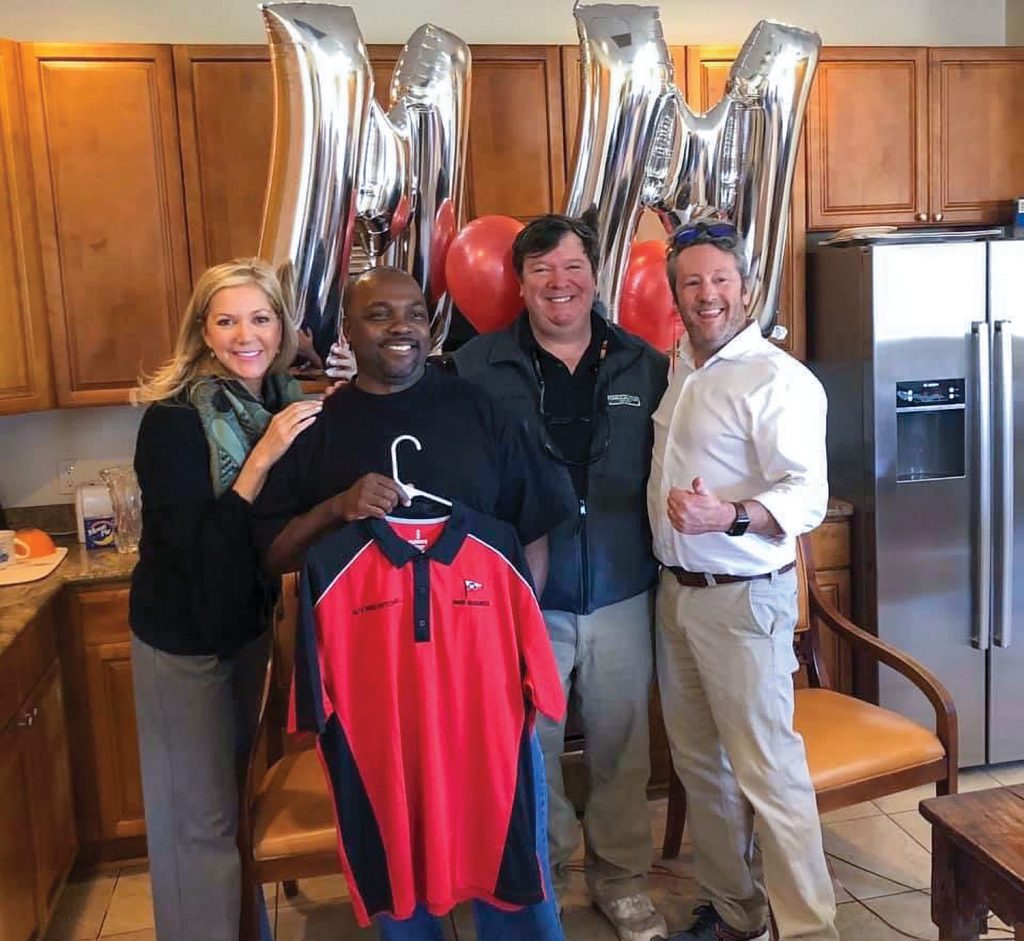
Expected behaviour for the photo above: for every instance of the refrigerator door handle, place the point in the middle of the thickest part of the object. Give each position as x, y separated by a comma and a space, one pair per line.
1003, 366
983, 487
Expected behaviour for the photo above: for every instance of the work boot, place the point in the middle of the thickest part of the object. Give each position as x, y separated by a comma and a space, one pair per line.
709, 926
635, 918
724, 933
703, 927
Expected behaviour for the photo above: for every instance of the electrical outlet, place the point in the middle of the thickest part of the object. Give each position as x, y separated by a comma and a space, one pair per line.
66, 475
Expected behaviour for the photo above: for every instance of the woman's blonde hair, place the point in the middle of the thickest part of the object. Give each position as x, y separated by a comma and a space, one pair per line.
192, 358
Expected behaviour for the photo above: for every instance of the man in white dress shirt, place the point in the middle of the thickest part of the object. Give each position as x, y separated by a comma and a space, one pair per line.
738, 473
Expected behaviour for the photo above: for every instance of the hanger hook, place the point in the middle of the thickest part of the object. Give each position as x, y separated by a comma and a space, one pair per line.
394, 453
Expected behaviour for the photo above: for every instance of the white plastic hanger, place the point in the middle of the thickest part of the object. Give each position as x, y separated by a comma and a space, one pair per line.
411, 490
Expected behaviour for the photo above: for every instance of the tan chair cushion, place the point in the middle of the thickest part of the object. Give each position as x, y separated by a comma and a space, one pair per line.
292, 815
849, 740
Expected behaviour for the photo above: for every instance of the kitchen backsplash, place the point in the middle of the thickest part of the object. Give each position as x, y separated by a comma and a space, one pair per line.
58, 519
34, 444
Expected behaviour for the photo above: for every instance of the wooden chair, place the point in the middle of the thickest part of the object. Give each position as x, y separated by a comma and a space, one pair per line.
286, 822
855, 751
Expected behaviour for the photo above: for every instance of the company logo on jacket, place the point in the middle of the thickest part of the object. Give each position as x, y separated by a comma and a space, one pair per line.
624, 398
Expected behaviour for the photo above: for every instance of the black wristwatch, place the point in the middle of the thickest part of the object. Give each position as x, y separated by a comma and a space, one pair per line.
740, 524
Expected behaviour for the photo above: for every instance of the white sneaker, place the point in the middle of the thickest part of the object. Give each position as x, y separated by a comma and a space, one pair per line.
635, 918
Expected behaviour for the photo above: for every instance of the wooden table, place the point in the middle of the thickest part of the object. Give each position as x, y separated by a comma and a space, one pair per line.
977, 860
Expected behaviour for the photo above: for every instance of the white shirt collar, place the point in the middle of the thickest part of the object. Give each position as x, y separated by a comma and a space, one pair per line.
746, 341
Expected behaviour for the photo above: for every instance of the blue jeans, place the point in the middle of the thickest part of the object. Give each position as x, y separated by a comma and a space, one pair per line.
537, 922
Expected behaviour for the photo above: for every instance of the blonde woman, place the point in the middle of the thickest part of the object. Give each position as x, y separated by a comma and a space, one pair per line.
221, 412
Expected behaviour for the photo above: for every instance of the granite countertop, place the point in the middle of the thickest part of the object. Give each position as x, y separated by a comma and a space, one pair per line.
19, 604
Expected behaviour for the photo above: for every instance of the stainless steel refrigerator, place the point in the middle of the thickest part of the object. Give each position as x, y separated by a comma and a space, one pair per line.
920, 346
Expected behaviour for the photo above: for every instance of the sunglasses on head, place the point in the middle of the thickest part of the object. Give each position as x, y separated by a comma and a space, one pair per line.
715, 230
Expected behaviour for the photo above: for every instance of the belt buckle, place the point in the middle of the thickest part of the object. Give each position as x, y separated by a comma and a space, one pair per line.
709, 580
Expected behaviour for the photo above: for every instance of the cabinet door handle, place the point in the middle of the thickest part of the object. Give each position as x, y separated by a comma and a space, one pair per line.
937, 217
26, 719
922, 217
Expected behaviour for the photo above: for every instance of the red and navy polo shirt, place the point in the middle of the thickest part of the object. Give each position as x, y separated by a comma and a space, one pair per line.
420, 660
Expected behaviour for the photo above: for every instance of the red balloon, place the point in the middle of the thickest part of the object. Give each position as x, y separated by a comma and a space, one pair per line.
646, 305
479, 272
440, 241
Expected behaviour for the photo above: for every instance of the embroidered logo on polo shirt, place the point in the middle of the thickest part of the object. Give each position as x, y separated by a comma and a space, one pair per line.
375, 606
624, 398
470, 585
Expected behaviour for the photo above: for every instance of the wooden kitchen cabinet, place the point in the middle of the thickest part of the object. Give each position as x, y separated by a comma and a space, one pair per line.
37, 833
838, 658
707, 70
26, 382
104, 744
53, 818
43, 729
225, 100
976, 145
516, 160
867, 137
383, 58
830, 543
18, 917
108, 188
915, 136
112, 715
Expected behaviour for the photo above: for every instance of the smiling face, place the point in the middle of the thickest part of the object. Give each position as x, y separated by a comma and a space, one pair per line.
244, 332
388, 327
710, 297
558, 289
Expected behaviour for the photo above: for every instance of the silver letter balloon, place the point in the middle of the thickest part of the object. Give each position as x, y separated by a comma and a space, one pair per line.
344, 171
626, 91
323, 86
410, 194
640, 146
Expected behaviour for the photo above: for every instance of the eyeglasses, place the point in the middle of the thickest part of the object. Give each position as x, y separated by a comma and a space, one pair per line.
601, 434
689, 234
600, 440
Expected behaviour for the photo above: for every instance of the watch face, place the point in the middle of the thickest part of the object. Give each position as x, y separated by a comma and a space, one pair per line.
742, 521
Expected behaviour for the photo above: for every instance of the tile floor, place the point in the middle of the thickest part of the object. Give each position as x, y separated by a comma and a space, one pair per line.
879, 852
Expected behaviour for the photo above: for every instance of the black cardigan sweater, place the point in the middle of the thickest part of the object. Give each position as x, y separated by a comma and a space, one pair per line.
199, 587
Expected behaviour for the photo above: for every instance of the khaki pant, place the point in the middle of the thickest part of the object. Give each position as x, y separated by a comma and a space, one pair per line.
725, 662
605, 659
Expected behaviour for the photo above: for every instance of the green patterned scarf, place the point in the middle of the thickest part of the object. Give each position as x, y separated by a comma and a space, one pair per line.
234, 419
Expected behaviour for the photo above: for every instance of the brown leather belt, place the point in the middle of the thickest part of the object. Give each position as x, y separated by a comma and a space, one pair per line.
707, 580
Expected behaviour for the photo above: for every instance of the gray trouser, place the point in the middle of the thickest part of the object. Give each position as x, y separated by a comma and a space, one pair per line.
725, 665
195, 714
605, 658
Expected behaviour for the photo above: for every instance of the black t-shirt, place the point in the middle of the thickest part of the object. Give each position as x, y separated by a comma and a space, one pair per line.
474, 452
568, 409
